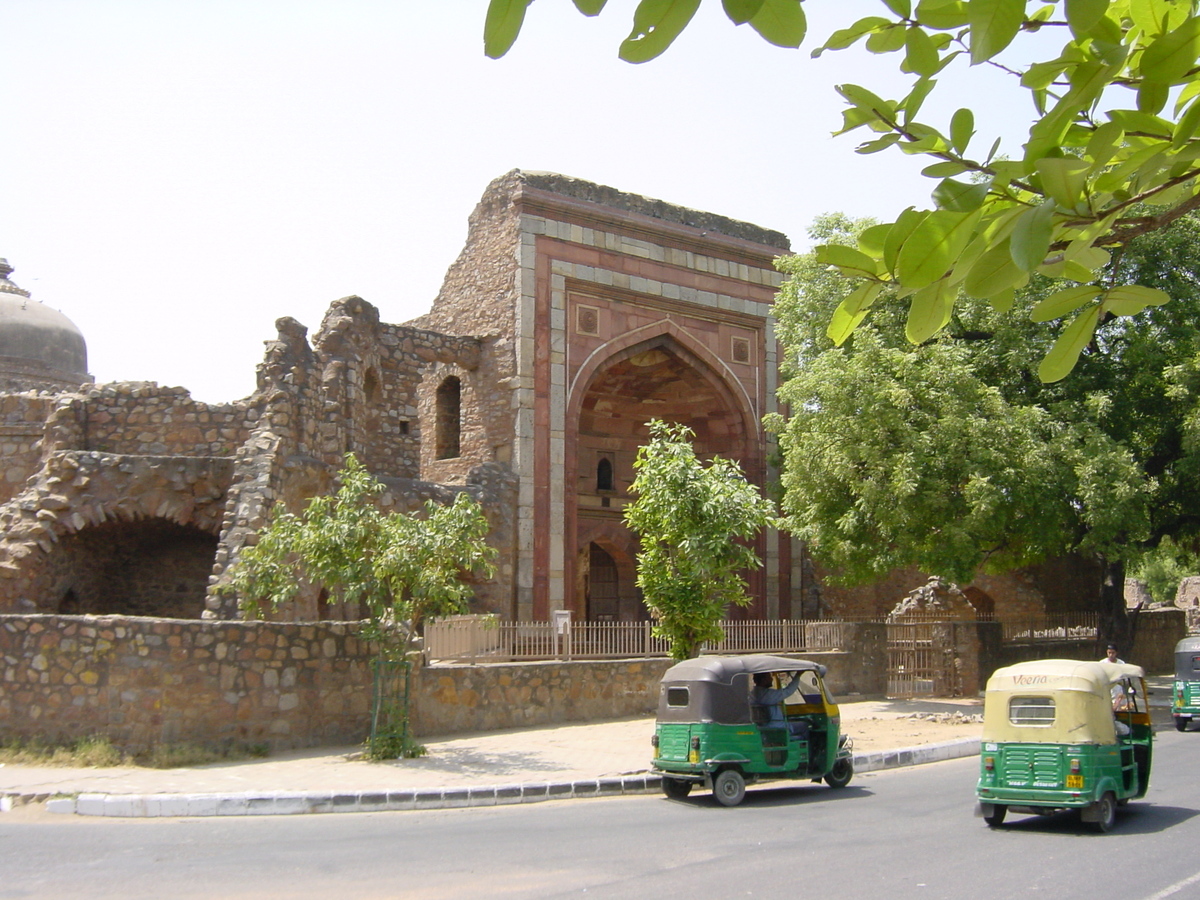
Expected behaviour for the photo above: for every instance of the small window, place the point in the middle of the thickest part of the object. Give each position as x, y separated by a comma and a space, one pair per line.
1035, 711
1196, 663
604, 474
677, 697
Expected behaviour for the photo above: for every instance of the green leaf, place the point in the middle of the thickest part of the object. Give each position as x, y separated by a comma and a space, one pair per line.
656, 24
1144, 123
1171, 57
851, 312
962, 129
593, 7
741, 11
994, 23
915, 99
1155, 17
1003, 301
1030, 240
942, 15
1063, 178
960, 196
902, 8
886, 40
1084, 15
943, 170
1065, 353
846, 37
871, 240
1152, 96
1065, 301
1131, 299
781, 22
921, 56
899, 232
1185, 128
933, 246
852, 262
864, 99
993, 273
502, 25
875, 146
929, 311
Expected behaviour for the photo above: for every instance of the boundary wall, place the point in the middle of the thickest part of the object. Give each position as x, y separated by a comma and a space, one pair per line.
148, 681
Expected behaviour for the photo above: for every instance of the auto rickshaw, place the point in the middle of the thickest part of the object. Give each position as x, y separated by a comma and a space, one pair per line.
1061, 734
710, 734
1185, 692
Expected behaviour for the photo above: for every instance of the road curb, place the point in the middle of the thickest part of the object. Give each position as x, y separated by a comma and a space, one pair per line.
282, 803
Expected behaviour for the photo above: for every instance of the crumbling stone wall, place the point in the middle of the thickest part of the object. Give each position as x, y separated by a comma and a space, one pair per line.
75, 491
144, 682
22, 422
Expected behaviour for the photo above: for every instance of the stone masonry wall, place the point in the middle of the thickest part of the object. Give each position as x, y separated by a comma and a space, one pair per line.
144, 419
22, 423
145, 681
148, 681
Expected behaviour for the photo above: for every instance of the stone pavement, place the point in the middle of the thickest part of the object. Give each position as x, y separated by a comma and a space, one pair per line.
515, 766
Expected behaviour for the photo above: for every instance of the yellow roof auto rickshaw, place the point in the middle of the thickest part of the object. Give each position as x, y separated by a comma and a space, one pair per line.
1063, 734
728, 721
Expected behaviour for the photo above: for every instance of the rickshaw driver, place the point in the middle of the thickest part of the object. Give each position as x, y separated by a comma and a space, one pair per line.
771, 700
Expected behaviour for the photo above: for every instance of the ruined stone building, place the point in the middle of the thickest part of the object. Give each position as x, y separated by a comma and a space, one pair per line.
574, 314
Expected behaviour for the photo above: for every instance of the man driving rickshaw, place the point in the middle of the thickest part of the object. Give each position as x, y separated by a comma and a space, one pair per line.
728, 721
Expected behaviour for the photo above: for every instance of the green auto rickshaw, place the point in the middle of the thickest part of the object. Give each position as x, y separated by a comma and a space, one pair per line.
712, 731
1185, 692
1062, 734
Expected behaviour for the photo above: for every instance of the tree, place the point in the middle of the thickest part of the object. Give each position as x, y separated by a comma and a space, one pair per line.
693, 520
400, 569
1112, 152
952, 457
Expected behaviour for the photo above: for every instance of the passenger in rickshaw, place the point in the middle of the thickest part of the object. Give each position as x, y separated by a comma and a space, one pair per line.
769, 702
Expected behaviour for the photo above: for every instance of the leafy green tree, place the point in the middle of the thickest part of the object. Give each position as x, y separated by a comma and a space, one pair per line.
400, 569
953, 457
1162, 569
693, 520
1111, 154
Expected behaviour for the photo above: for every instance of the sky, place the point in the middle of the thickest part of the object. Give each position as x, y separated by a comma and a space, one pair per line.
175, 175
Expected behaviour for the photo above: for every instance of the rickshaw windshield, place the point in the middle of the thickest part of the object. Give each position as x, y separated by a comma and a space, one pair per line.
1057, 701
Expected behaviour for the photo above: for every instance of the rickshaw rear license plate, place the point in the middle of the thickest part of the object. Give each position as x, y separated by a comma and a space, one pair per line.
1074, 781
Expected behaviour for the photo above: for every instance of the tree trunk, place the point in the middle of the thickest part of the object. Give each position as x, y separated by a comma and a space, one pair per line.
1114, 622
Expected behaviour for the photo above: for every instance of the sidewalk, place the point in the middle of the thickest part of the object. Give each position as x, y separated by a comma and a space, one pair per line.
515, 766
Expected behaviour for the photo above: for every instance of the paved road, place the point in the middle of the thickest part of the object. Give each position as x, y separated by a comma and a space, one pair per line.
900, 834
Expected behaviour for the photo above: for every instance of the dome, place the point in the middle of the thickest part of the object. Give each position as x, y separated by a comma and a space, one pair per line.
35, 339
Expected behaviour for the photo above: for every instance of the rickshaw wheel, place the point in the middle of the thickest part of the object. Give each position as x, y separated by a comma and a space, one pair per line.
1108, 814
729, 787
676, 788
996, 819
841, 773
1181, 723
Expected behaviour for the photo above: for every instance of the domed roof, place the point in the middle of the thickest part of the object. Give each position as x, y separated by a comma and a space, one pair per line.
31, 331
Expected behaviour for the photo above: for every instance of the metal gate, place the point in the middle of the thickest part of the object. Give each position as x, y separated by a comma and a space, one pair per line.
922, 661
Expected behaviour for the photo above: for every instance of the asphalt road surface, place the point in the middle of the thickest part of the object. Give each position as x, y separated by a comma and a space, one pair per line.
900, 835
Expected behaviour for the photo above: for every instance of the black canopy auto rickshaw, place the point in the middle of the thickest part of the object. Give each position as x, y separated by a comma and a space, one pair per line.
1185, 692
711, 733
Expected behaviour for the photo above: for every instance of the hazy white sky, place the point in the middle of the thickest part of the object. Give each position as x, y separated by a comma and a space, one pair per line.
177, 174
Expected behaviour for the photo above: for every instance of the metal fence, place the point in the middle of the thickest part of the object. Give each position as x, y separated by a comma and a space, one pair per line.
486, 639
1080, 626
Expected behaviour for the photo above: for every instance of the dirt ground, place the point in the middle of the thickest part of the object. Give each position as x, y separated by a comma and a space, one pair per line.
876, 727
